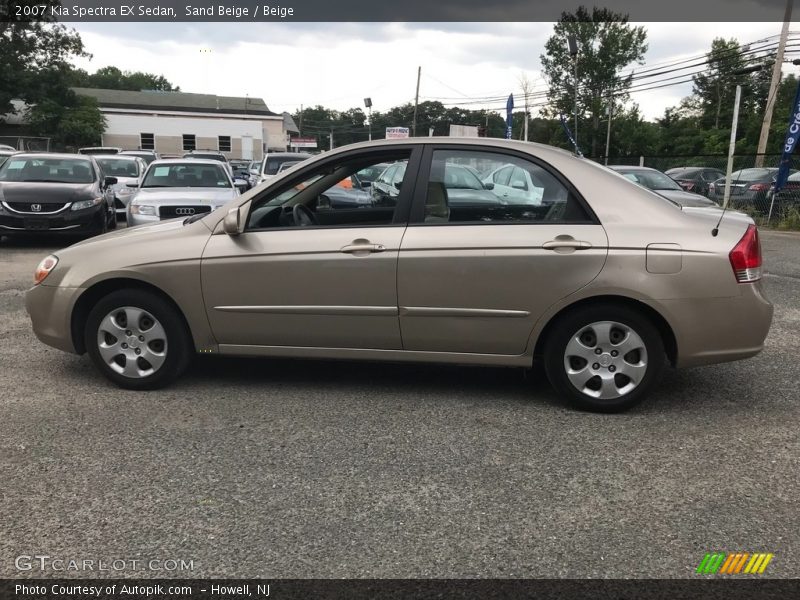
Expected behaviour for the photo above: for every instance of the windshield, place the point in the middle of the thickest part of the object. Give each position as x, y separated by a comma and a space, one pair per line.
50, 170
119, 167
652, 180
457, 177
371, 173
183, 175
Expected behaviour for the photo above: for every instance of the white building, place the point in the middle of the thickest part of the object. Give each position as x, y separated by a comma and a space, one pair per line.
176, 122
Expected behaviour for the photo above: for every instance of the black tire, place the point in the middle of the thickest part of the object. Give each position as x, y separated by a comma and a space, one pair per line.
178, 345
578, 322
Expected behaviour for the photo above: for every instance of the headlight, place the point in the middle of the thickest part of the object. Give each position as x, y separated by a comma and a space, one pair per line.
43, 269
124, 191
86, 203
143, 209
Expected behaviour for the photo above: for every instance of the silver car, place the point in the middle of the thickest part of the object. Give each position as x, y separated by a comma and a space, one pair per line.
128, 171
180, 188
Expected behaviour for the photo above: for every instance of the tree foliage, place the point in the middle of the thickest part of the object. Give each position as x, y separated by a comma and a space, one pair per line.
607, 44
112, 78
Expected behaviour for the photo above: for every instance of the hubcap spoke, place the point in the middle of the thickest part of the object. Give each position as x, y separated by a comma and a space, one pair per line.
635, 372
576, 348
603, 333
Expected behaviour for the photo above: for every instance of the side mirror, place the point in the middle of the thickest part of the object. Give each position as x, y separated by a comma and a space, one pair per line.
240, 185
231, 222
488, 186
110, 181
366, 185
398, 184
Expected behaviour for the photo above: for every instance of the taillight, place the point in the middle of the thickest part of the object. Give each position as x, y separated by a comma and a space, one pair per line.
759, 187
746, 257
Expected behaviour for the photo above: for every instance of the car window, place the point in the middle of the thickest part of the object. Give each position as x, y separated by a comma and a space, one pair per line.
333, 196
118, 167
534, 195
651, 179
186, 175
49, 170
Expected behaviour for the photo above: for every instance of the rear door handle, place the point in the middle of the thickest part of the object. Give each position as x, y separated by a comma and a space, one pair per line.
362, 248
566, 242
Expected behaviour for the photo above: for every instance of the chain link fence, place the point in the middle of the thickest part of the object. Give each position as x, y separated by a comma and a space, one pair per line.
26, 143
755, 197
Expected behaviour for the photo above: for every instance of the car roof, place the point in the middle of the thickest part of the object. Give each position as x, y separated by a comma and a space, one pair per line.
297, 155
116, 157
185, 161
56, 155
631, 168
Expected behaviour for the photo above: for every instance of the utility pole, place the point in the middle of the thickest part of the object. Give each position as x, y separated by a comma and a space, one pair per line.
610, 116
773, 87
416, 105
572, 46
301, 120
331, 137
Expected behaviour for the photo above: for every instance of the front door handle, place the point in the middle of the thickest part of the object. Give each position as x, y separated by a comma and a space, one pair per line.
566, 242
362, 247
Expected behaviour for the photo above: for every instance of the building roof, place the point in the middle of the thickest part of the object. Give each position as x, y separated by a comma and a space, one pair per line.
177, 101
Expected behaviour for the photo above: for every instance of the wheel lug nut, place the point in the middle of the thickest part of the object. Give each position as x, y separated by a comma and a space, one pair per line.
138, 351
614, 353
596, 366
598, 350
141, 339
124, 345
128, 332
612, 368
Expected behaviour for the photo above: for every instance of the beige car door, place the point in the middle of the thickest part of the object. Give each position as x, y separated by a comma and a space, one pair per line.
476, 276
315, 267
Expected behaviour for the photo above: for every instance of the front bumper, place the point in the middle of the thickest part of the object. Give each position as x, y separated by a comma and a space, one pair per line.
50, 309
66, 221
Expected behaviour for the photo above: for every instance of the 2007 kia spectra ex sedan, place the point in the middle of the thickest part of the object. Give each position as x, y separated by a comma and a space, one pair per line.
603, 279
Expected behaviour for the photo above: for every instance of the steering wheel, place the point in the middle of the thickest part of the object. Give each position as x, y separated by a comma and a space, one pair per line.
303, 217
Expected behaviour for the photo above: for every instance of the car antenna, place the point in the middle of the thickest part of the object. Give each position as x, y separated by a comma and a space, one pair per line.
726, 201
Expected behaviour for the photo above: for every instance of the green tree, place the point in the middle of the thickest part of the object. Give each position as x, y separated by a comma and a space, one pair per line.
112, 78
75, 123
30, 48
607, 44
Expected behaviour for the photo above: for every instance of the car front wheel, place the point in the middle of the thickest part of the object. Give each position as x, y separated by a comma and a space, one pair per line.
604, 358
137, 339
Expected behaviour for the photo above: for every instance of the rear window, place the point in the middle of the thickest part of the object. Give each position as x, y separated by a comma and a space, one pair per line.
49, 170
118, 167
751, 174
183, 175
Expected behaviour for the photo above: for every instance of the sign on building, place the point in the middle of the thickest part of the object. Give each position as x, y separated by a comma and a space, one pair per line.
394, 133
299, 142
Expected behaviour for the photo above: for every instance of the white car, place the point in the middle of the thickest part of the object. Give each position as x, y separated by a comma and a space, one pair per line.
129, 171
180, 188
515, 185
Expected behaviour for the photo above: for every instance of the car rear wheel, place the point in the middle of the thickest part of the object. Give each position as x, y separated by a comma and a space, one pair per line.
137, 339
604, 358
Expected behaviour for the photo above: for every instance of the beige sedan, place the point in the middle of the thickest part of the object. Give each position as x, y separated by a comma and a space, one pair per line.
443, 258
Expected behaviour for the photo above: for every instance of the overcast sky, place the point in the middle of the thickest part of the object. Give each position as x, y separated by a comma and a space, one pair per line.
338, 64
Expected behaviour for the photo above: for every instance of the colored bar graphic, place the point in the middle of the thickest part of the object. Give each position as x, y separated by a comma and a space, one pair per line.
732, 563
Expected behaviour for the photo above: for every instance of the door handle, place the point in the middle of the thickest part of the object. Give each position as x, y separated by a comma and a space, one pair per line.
566, 242
362, 248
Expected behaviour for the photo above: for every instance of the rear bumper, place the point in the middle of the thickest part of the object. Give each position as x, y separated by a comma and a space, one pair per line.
715, 330
50, 310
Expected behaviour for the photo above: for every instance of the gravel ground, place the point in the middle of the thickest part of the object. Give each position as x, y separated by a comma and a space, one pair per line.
278, 468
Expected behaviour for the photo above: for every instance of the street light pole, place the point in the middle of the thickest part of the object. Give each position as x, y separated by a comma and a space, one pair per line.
368, 105
610, 116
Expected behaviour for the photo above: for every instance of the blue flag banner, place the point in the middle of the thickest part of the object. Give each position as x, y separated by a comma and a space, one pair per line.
509, 116
792, 135
568, 132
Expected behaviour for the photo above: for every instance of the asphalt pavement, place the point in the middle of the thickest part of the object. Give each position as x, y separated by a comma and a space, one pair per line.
281, 468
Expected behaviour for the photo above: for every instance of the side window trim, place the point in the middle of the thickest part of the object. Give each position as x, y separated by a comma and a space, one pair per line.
417, 215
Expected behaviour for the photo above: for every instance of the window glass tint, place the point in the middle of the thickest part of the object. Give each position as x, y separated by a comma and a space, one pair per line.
487, 187
118, 167
652, 180
334, 195
186, 175
47, 170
